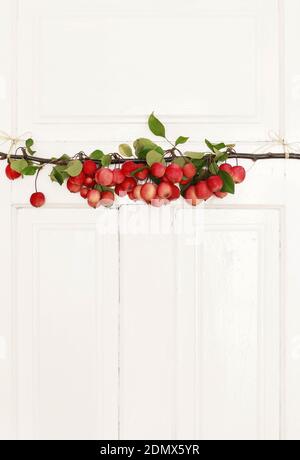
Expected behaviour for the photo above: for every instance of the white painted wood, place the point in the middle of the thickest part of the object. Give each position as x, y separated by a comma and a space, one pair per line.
153, 345
74, 55
230, 341
66, 324
147, 328
7, 57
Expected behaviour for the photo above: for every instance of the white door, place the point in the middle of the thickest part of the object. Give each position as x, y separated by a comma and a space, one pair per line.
141, 323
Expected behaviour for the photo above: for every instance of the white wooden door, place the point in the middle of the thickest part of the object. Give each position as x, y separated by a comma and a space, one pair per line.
139, 323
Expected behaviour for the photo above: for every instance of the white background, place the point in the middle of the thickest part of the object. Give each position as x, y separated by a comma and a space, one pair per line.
139, 323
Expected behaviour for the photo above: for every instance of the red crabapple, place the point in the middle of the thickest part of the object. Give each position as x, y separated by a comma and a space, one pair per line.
238, 174
137, 192
72, 186
221, 194
128, 168
202, 190
215, 183
89, 182
118, 176
191, 197
104, 177
158, 170
226, 168
128, 184
174, 173
107, 199
94, 197
189, 171
89, 168
131, 196
175, 193
148, 192
142, 175
78, 180
120, 191
11, 174
37, 199
84, 192
164, 190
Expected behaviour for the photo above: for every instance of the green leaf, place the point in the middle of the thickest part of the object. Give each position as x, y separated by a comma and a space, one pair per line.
156, 127
97, 155
181, 140
74, 168
19, 165
29, 143
221, 157
229, 186
215, 147
106, 160
125, 150
213, 168
30, 170
153, 157
142, 146
64, 158
57, 176
180, 161
195, 155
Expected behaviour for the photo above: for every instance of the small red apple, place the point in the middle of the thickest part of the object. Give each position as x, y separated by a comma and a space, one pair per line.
11, 174
142, 175
78, 180
37, 199
84, 192
128, 168
174, 173
148, 192
104, 177
107, 199
89, 182
137, 192
131, 196
94, 197
89, 168
175, 193
226, 168
118, 176
215, 183
120, 191
191, 197
128, 184
158, 170
203, 192
189, 170
72, 186
221, 194
238, 174
164, 190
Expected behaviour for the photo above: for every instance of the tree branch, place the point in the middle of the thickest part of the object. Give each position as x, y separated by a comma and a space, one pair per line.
118, 160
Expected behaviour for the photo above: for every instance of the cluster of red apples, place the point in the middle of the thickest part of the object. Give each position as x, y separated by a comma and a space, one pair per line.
153, 175
156, 185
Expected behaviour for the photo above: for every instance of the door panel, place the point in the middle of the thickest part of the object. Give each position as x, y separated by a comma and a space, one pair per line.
66, 324
230, 362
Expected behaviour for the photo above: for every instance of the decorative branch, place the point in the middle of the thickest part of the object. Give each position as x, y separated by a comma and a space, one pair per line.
145, 171
118, 160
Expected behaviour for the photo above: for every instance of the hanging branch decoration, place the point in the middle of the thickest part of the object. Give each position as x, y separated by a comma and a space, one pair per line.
145, 172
